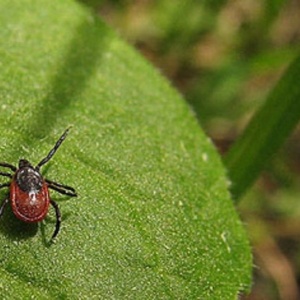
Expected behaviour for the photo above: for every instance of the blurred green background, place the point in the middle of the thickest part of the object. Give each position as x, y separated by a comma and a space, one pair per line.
225, 57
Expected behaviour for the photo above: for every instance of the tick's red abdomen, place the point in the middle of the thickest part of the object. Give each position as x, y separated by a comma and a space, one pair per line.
29, 206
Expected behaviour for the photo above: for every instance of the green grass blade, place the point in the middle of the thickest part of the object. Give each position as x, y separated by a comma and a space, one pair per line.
267, 131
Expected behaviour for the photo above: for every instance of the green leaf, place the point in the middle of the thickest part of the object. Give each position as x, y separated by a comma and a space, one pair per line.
267, 131
153, 219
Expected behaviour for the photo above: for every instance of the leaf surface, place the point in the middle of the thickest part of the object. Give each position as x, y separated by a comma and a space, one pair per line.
153, 219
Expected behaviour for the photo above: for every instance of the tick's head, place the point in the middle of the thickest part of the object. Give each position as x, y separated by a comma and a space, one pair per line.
24, 163
27, 178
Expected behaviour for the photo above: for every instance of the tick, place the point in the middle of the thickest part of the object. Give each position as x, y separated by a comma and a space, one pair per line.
29, 191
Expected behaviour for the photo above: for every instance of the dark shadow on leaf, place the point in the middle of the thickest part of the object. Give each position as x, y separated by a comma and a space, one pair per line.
77, 67
15, 229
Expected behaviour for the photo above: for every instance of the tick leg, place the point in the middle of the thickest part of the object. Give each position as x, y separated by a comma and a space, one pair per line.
4, 185
6, 174
53, 150
62, 191
59, 185
6, 165
58, 218
3, 204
